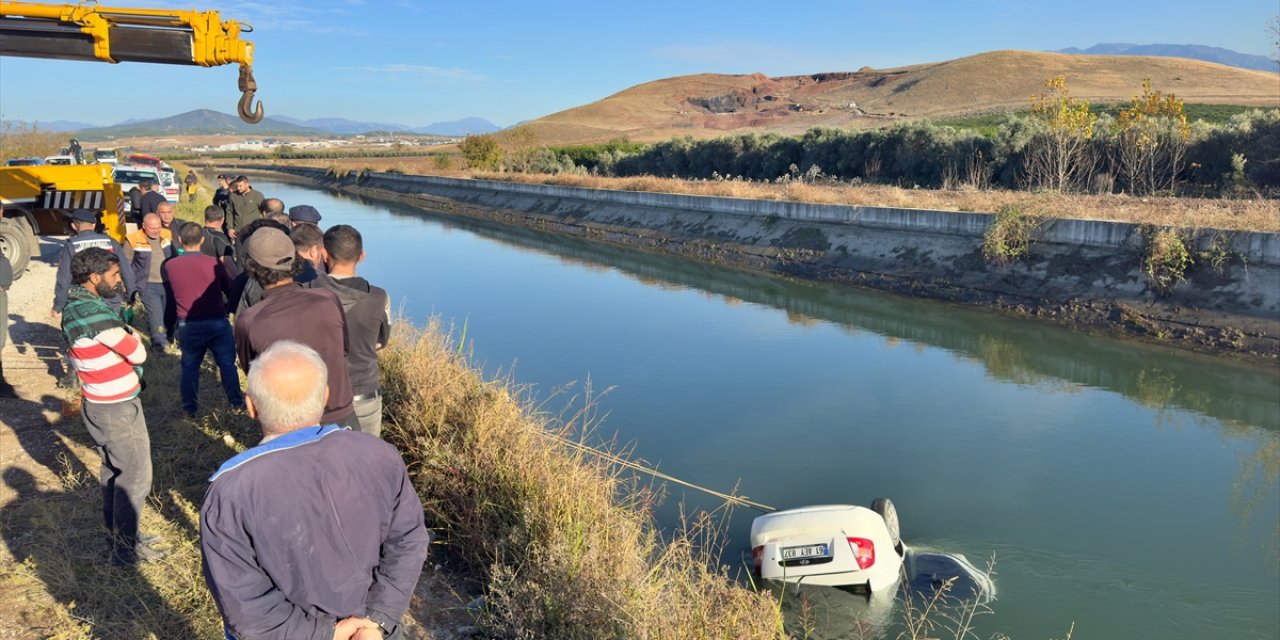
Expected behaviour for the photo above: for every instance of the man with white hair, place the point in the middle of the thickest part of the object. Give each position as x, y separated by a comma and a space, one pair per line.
317, 531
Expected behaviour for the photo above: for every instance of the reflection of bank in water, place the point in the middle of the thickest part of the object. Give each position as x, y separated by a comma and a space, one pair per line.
844, 613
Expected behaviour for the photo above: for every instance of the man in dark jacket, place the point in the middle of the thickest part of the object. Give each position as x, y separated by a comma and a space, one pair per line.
242, 205
216, 242
368, 310
287, 311
148, 248
83, 223
317, 531
170, 221
222, 197
151, 200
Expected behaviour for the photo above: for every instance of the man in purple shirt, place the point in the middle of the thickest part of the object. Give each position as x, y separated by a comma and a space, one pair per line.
317, 532
198, 287
287, 311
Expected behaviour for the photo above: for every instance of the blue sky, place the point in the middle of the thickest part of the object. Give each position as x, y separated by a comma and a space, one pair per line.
415, 63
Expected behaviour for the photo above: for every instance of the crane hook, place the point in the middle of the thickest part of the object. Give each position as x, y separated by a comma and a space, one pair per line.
248, 86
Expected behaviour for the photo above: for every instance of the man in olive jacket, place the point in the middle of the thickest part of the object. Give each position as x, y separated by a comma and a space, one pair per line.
242, 206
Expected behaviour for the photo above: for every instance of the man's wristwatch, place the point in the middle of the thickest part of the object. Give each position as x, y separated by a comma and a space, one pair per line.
385, 623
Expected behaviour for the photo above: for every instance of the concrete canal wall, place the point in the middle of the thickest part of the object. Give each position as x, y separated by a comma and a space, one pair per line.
1080, 272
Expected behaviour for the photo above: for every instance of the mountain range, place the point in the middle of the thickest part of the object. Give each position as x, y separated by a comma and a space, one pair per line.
207, 121
198, 122
1192, 51
345, 126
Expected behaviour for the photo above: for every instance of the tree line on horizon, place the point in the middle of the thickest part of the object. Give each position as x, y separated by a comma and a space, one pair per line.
1063, 145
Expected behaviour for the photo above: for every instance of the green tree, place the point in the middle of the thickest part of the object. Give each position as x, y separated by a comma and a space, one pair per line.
481, 152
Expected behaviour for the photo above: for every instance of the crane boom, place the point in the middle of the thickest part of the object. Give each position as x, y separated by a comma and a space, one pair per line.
110, 34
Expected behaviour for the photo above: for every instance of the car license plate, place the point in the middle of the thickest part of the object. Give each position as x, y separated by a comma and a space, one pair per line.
807, 551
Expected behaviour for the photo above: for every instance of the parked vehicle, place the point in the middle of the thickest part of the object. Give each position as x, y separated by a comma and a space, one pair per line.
169, 183
24, 162
61, 159
105, 156
833, 545
129, 177
38, 197
142, 159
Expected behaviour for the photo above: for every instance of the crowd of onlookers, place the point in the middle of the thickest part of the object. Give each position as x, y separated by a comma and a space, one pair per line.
314, 532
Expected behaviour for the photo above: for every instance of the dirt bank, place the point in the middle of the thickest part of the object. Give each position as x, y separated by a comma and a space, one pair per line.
1230, 308
53, 582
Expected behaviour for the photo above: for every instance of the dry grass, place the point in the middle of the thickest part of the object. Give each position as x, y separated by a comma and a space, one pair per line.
562, 544
982, 83
55, 535
1254, 214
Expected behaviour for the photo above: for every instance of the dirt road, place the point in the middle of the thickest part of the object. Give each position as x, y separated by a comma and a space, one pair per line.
54, 582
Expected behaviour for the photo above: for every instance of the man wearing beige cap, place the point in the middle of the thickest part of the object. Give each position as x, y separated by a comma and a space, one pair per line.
313, 317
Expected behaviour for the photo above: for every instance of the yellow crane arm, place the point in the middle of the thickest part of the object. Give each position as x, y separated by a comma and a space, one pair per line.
87, 31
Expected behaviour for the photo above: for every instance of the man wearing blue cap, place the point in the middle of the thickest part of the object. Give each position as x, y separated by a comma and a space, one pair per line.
83, 225
303, 214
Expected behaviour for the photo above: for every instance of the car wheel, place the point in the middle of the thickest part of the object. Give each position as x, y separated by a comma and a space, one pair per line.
15, 244
885, 508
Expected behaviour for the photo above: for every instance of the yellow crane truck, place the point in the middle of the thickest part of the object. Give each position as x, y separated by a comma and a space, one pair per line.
36, 199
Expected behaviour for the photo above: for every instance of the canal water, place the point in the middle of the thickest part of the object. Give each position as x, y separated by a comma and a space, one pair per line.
1128, 489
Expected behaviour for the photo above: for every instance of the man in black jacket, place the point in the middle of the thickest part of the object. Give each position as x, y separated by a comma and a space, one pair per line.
83, 225
317, 531
222, 197
368, 310
151, 200
216, 242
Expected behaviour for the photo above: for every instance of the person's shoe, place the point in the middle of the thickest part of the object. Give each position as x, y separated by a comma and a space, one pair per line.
145, 539
139, 554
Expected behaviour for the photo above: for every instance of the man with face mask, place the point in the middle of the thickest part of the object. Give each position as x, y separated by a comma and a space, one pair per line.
108, 359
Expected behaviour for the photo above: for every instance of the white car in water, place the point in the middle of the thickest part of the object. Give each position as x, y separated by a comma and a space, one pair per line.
833, 545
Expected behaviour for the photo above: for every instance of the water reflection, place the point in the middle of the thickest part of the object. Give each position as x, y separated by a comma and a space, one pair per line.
1110, 475
1014, 350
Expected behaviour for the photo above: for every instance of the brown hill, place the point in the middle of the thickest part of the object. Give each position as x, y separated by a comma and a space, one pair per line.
709, 105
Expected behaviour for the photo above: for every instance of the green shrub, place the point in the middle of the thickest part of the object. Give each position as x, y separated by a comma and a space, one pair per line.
1010, 234
1165, 257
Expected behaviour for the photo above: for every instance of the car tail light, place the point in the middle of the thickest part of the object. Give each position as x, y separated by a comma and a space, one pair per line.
864, 550
757, 557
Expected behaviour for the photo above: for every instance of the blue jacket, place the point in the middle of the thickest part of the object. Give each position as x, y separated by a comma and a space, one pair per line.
78, 243
316, 525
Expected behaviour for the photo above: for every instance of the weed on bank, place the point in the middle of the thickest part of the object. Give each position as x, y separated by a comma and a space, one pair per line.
560, 543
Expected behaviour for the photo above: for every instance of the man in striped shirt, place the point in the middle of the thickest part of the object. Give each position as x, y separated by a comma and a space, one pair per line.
108, 358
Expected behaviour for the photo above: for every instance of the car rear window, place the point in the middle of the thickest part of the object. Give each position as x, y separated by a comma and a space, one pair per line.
133, 176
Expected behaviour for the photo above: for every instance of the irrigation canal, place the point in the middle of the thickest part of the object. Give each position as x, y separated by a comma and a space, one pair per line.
1130, 489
